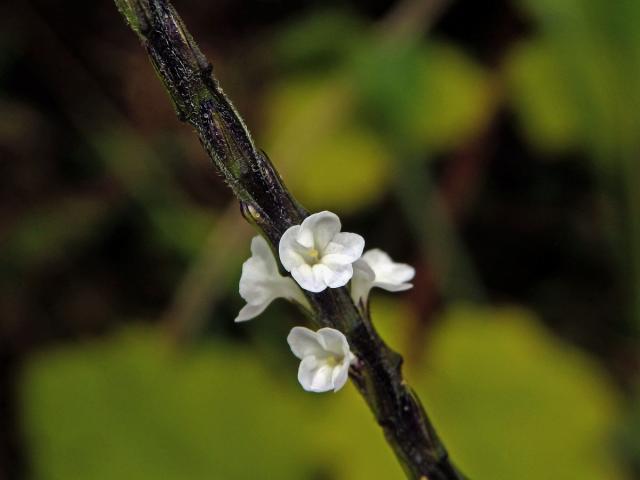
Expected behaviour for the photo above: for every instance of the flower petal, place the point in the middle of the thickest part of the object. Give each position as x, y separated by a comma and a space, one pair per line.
304, 342
334, 342
315, 376
261, 249
261, 282
396, 273
393, 287
387, 274
345, 247
289, 289
336, 275
256, 281
306, 371
362, 281
318, 229
340, 375
310, 278
387, 271
250, 311
288, 249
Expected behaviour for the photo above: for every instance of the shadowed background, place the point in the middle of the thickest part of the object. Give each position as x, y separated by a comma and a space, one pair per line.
492, 145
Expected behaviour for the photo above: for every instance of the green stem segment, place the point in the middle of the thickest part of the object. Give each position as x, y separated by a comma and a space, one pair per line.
265, 202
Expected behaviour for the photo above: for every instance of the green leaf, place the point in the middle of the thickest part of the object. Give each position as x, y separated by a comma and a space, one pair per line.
543, 98
327, 160
131, 406
575, 83
423, 96
509, 401
512, 402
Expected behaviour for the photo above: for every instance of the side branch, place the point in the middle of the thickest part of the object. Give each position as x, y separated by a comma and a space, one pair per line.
265, 202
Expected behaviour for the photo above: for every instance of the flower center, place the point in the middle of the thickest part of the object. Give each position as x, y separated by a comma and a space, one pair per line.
314, 254
333, 361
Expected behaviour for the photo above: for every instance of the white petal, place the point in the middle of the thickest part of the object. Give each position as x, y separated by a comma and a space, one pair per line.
396, 273
387, 271
256, 282
376, 269
336, 275
376, 257
334, 342
306, 371
362, 281
288, 248
346, 247
340, 376
261, 249
261, 282
393, 287
304, 342
310, 278
250, 311
315, 376
318, 230
290, 290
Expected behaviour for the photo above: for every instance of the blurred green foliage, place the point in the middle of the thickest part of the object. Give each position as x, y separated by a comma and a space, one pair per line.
421, 96
628, 438
515, 403
326, 159
576, 87
339, 137
575, 80
131, 406
510, 400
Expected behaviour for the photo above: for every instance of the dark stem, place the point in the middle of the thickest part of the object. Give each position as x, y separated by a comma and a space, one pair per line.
265, 202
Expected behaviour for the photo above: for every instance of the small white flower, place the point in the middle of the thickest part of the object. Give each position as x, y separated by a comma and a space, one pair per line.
376, 269
317, 254
261, 282
325, 358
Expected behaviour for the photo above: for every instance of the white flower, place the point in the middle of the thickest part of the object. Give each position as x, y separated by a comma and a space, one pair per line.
317, 254
325, 358
376, 269
261, 282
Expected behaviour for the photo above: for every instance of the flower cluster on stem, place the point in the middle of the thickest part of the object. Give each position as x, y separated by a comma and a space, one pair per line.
318, 256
